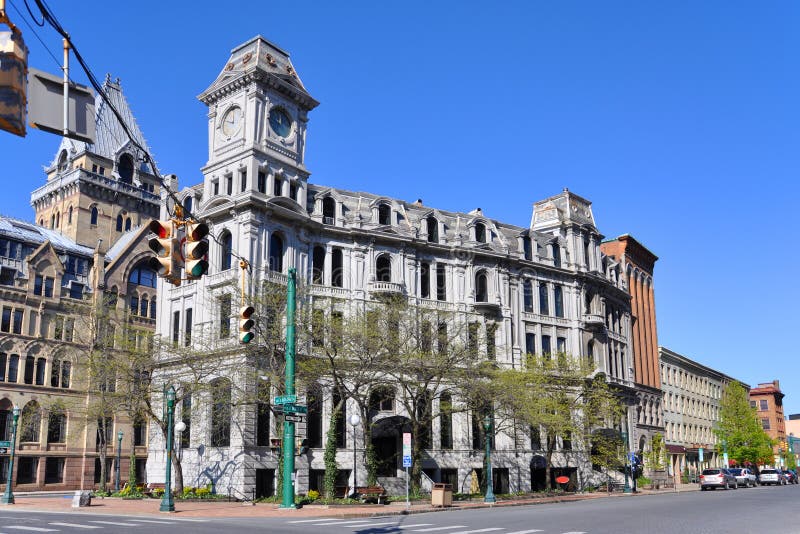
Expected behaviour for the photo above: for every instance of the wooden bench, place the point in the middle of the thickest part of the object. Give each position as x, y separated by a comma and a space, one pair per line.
371, 493
151, 487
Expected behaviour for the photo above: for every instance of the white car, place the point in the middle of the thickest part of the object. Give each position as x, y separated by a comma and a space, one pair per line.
744, 477
770, 476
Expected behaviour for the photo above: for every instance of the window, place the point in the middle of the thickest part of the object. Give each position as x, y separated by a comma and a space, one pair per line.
69, 215
481, 287
229, 183
5, 323
226, 251
433, 229
13, 368
277, 186
491, 348
3, 360
472, 339
381, 399
425, 280
7, 276
243, 179
561, 345
62, 161
546, 350
340, 417
536, 438
119, 223
765, 423
93, 216
752, 404
383, 268
56, 426
530, 343
125, 169
384, 215
75, 290
30, 363
317, 328
153, 308
26, 470
566, 441
764, 405
187, 328
293, 191
337, 273
544, 305
40, 367
30, 423
143, 276
276, 253
441, 282
224, 316
318, 265
60, 373
527, 296
480, 233
187, 204
221, 413
262, 182
263, 414
48, 287
328, 210
134, 304
143, 307
176, 327
558, 294
337, 323
140, 432
215, 187
526, 248
314, 417
127, 223
556, 250
37, 284
446, 421
441, 337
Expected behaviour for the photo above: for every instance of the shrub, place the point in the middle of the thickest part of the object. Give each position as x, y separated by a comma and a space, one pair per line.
203, 492
158, 492
188, 492
313, 495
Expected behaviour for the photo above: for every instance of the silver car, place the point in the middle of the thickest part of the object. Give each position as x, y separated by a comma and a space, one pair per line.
717, 478
744, 477
770, 476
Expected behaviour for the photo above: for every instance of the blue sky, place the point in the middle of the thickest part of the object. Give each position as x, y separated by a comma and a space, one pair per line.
678, 120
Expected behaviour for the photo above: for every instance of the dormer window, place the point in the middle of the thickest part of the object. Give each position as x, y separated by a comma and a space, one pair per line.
328, 210
527, 250
556, 255
433, 229
125, 169
384, 215
62, 161
480, 233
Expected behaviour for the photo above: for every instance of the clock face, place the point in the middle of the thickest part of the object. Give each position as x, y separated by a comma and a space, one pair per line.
232, 121
280, 122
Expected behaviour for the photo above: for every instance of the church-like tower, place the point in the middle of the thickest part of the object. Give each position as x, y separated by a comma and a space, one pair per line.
98, 191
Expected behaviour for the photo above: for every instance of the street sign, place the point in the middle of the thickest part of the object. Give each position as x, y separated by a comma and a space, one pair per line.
700, 454
406, 444
5, 443
3, 450
295, 418
406, 461
294, 408
285, 399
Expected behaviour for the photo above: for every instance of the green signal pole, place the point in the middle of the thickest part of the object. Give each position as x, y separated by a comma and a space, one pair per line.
288, 426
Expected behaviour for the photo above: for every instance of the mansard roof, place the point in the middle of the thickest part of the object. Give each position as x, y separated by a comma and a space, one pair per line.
110, 138
36, 235
259, 59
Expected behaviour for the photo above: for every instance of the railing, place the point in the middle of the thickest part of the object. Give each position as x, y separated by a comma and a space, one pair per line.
83, 174
593, 319
329, 291
441, 305
222, 277
275, 277
386, 287
329, 220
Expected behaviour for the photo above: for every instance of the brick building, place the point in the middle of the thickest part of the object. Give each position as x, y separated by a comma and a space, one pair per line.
767, 399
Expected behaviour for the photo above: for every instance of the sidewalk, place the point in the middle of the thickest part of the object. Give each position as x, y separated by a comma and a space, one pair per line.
216, 509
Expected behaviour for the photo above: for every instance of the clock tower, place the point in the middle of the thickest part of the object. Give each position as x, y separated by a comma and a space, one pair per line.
257, 118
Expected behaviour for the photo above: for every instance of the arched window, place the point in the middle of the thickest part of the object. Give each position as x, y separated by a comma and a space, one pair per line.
318, 266
58, 219
226, 251
527, 292
446, 421
328, 210
40, 365
93, 218
221, 413
383, 268
56, 425
425, 280
60, 372
481, 287
143, 307
6, 418
384, 215
276, 253
337, 271
480, 233
153, 308
433, 229
52, 220
558, 297
62, 161
142, 275
127, 224
119, 223
556, 249
30, 423
69, 215
187, 203
125, 169
544, 301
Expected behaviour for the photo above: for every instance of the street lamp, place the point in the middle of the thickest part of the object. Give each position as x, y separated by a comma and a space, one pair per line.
487, 427
180, 426
167, 504
8, 496
119, 459
627, 488
355, 419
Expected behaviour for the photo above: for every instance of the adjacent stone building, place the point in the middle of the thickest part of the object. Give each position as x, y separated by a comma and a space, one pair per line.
545, 288
767, 399
86, 251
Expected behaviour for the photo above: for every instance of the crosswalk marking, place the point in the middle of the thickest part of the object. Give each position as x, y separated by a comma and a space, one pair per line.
116, 523
153, 521
575, 532
34, 529
439, 528
340, 522
315, 520
525, 531
73, 525
476, 531
413, 526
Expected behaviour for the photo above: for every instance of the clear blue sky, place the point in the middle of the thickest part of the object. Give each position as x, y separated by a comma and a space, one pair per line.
678, 120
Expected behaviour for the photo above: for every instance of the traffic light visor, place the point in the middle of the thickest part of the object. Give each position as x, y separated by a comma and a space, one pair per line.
161, 228
196, 231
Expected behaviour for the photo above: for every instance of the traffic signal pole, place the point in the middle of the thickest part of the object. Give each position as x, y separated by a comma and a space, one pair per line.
288, 426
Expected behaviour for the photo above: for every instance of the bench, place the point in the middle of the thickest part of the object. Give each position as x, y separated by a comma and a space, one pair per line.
374, 494
151, 487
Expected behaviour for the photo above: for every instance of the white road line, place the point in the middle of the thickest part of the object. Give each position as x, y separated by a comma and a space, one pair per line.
152, 521
476, 531
34, 529
439, 528
315, 520
525, 531
340, 522
574, 532
73, 525
413, 526
116, 523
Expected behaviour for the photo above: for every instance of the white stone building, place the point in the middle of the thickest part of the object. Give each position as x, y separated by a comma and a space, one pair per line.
544, 288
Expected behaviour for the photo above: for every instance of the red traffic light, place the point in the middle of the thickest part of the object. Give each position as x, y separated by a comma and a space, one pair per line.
161, 228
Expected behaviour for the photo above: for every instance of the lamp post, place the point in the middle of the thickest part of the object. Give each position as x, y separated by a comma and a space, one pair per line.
119, 459
627, 488
8, 496
355, 419
167, 503
487, 427
287, 500
180, 426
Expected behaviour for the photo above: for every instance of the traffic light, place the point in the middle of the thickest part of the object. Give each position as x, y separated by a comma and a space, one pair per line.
167, 248
246, 324
196, 250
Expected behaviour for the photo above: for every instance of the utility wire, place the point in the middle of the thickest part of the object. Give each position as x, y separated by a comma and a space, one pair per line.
33, 31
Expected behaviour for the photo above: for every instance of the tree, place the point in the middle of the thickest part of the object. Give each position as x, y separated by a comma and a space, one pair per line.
607, 452
558, 394
740, 429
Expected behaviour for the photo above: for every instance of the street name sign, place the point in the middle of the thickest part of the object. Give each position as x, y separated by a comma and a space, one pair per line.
285, 399
295, 418
5, 443
294, 408
3, 450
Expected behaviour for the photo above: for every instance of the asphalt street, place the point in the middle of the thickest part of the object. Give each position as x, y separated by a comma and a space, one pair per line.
743, 511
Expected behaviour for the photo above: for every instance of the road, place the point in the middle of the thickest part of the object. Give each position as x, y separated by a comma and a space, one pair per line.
743, 511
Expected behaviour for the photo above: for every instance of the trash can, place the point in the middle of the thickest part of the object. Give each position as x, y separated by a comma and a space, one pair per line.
442, 495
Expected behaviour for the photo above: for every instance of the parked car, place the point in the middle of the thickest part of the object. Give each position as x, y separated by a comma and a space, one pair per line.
790, 476
771, 476
717, 478
744, 477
